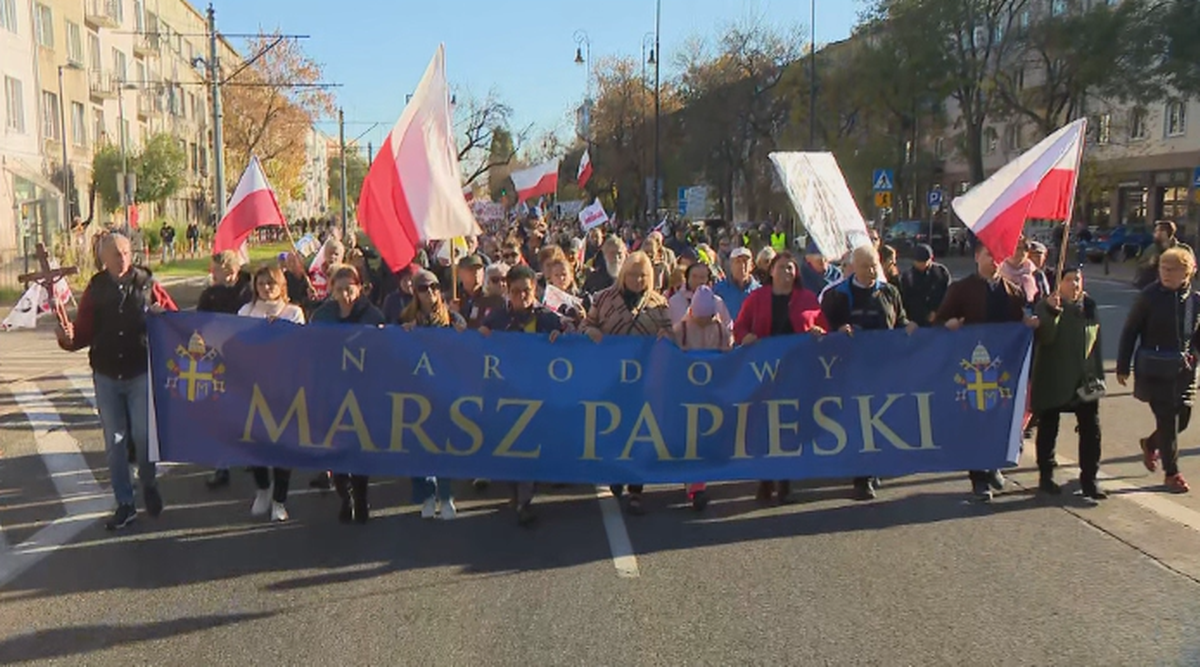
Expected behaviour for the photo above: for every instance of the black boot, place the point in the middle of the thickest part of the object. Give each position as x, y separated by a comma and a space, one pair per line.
358, 490
346, 512
783, 492
1047, 485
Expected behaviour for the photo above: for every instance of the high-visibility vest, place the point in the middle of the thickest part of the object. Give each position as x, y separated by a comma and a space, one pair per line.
779, 242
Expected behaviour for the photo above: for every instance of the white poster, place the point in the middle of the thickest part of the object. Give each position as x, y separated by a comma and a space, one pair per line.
818, 191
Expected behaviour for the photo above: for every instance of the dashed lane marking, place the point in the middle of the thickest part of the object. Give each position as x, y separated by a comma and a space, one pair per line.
618, 536
83, 499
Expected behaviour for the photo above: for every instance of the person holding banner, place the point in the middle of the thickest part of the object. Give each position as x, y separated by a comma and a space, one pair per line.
1160, 344
782, 308
569, 303
631, 307
429, 309
984, 297
739, 283
865, 301
229, 291
271, 303
111, 320
696, 276
348, 305
817, 273
524, 314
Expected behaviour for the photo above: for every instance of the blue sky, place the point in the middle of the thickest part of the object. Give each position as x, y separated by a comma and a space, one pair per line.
523, 49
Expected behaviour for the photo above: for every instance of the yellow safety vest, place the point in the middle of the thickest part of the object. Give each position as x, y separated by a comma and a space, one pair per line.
779, 242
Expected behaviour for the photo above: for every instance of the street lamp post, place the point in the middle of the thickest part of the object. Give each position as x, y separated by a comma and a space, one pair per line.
126, 191
656, 56
812, 76
583, 56
647, 53
66, 165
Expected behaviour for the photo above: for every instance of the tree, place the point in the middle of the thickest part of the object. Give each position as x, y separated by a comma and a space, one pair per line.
1173, 26
160, 168
478, 123
622, 134
271, 102
106, 167
356, 172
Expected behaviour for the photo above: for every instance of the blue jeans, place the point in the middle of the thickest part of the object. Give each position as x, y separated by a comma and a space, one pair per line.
424, 488
124, 408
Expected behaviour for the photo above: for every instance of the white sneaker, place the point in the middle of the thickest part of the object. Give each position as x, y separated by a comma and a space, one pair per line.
278, 512
449, 511
429, 509
262, 503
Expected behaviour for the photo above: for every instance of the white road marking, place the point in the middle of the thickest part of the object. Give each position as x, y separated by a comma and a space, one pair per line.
81, 381
82, 497
1151, 499
618, 536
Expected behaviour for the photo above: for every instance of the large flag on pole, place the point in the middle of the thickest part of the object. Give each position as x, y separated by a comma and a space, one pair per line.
536, 181
585, 169
253, 205
413, 192
818, 190
1039, 185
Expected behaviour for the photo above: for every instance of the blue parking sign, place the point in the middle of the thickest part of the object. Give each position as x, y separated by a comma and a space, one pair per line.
1196, 179
935, 198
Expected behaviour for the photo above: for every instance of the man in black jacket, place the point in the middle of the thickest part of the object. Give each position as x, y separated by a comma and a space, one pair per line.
865, 301
524, 314
229, 291
111, 320
924, 286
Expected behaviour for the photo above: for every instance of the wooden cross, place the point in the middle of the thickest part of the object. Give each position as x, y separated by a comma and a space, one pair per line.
47, 277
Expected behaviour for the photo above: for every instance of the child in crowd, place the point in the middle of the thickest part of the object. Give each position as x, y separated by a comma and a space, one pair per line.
702, 329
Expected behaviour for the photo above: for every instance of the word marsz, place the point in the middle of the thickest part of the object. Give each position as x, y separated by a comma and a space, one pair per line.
517, 407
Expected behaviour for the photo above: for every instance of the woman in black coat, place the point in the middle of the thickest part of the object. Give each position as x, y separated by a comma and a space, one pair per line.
1160, 343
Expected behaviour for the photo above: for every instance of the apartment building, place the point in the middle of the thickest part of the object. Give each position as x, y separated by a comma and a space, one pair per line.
314, 200
1141, 157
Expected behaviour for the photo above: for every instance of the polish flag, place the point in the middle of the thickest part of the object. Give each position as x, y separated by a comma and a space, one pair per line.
253, 205
585, 169
539, 180
413, 192
133, 216
1037, 185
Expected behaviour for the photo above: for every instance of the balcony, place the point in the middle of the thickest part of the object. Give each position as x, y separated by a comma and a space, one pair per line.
102, 13
102, 84
146, 46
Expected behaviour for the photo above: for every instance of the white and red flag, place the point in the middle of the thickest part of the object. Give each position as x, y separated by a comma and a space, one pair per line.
536, 181
1037, 185
593, 216
585, 169
413, 192
253, 205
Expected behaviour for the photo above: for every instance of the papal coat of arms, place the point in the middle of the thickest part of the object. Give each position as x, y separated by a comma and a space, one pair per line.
983, 383
196, 372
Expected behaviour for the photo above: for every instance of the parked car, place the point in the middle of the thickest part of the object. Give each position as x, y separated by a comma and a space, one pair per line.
908, 233
1119, 243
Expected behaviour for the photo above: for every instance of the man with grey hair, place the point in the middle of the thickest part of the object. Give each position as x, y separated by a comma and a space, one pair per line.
607, 266
111, 320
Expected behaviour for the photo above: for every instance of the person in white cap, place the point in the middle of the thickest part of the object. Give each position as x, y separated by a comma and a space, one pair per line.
740, 281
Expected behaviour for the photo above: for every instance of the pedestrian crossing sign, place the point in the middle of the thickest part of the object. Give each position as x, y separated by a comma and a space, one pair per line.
882, 180
883, 200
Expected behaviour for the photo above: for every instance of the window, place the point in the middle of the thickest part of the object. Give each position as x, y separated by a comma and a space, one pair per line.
50, 126
74, 43
99, 132
1058, 7
1139, 126
139, 72
1174, 203
119, 64
1012, 137
991, 140
8, 15
14, 105
1020, 78
1023, 22
117, 7
78, 125
43, 25
1104, 129
998, 31
139, 15
195, 153
94, 51
1176, 118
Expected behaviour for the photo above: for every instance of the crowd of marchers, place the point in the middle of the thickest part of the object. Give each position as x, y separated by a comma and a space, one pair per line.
702, 287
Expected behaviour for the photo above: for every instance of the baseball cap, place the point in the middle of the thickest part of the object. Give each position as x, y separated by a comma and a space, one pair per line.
741, 252
424, 278
922, 253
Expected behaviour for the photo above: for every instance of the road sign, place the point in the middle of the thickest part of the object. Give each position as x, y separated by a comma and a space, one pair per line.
935, 198
882, 180
1196, 179
883, 200
683, 207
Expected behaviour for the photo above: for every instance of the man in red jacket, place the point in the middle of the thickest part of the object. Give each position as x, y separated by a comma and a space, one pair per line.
111, 320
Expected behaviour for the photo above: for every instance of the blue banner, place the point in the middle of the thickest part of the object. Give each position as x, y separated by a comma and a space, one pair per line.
230, 391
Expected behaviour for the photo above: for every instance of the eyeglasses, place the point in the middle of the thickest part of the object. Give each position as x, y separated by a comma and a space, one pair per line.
497, 281
429, 289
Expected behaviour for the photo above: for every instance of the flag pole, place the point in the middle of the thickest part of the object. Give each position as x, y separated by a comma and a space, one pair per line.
1066, 234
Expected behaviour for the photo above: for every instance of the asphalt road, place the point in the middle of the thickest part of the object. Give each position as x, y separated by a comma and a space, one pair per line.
919, 577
